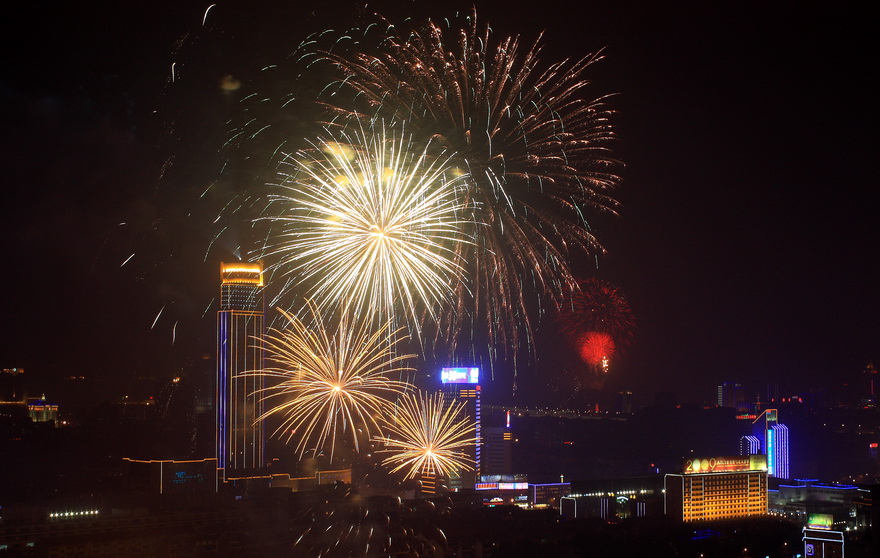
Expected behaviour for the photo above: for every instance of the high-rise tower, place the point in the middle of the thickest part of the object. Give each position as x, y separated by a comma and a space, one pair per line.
774, 443
463, 385
240, 436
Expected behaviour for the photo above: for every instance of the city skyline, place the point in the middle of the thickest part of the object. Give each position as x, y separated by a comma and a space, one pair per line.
744, 246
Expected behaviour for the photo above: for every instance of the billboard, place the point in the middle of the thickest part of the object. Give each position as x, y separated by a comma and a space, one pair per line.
460, 375
820, 521
501, 486
726, 464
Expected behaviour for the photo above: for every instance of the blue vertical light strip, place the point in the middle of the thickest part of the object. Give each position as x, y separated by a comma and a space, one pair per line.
244, 434
235, 416
771, 452
222, 388
781, 458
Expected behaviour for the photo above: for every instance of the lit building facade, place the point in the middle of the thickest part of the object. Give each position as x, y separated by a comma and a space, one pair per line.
774, 443
463, 385
496, 451
778, 451
749, 445
842, 503
822, 542
240, 437
718, 488
614, 498
41, 411
548, 495
504, 490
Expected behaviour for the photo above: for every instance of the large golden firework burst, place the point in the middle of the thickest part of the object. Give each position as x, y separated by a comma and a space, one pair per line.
535, 148
367, 223
331, 382
427, 435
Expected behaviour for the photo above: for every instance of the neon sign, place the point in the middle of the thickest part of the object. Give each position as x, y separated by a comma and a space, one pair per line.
725, 464
460, 375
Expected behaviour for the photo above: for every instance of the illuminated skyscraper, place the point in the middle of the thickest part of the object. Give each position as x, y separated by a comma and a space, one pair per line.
774, 438
463, 385
240, 437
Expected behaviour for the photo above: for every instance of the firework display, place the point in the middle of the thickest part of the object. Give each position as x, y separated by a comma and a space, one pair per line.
597, 320
596, 349
534, 149
446, 195
330, 383
367, 223
597, 305
427, 435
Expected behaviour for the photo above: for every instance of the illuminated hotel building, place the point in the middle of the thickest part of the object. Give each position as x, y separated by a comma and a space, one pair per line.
41, 411
463, 385
774, 443
718, 488
240, 436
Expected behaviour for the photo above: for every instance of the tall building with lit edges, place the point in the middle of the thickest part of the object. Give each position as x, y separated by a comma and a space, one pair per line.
463, 385
774, 443
240, 441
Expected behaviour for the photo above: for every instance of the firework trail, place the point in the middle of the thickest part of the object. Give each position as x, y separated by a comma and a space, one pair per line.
368, 224
427, 435
331, 382
535, 150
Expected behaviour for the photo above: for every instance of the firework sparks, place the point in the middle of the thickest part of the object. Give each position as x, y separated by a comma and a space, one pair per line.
597, 319
535, 151
599, 306
427, 436
369, 224
596, 349
331, 382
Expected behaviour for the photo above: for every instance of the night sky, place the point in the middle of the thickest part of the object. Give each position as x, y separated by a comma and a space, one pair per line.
747, 242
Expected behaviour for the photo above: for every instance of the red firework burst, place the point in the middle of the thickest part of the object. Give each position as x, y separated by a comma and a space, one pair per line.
596, 349
598, 306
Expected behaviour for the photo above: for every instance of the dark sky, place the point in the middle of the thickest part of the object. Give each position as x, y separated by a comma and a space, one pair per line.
747, 241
